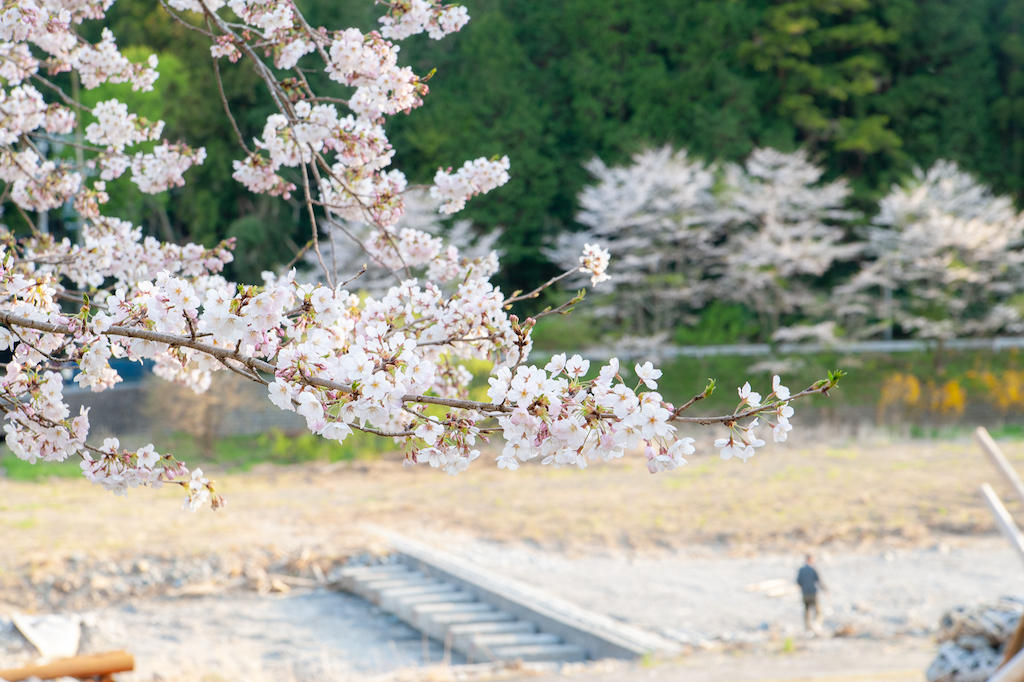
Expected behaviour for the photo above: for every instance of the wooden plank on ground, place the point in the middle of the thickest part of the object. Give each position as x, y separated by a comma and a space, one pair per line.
1016, 643
90, 665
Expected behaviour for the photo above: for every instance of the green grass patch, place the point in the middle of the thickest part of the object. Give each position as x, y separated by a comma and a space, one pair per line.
19, 470
240, 453
232, 453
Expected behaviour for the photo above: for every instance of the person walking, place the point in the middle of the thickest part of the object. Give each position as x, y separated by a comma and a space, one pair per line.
810, 582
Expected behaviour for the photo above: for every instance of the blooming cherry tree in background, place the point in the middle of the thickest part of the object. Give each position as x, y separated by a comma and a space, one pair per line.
784, 233
389, 363
946, 257
683, 233
659, 220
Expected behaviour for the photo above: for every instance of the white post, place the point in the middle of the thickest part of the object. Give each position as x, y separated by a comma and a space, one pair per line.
1003, 519
999, 460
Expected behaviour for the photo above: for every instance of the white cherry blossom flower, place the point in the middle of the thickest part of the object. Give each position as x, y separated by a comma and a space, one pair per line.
648, 374
577, 366
780, 391
748, 396
556, 365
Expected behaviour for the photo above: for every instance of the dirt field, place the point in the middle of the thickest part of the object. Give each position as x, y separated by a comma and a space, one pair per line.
846, 494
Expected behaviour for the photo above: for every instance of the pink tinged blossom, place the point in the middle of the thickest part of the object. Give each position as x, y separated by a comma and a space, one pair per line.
281, 395
499, 386
595, 261
59, 120
507, 460
116, 129
259, 177
727, 448
780, 431
198, 490
309, 406
288, 54
654, 422
429, 431
665, 459
225, 47
164, 167
409, 18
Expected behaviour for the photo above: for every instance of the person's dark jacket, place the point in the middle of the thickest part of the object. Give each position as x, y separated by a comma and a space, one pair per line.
808, 580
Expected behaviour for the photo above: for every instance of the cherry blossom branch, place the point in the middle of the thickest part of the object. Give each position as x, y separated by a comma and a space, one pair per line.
313, 227
11, 320
818, 388
536, 292
227, 107
708, 390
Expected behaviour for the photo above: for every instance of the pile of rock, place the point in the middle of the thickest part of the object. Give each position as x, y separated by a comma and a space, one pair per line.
77, 582
972, 640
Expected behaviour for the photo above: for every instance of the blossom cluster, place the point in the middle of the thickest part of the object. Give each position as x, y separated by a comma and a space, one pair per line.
409, 17
32, 35
594, 262
743, 441
118, 470
39, 424
475, 177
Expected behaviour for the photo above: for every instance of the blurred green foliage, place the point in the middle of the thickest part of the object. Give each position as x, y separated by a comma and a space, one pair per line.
720, 322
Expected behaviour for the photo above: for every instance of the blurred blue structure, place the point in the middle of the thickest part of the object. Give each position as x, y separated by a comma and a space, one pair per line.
132, 372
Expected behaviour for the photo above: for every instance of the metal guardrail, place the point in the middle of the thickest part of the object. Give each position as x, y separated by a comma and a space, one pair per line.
668, 351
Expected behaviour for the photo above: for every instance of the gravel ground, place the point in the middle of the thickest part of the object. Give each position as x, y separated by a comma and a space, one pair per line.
315, 635
738, 616
703, 596
320, 635
821, 660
